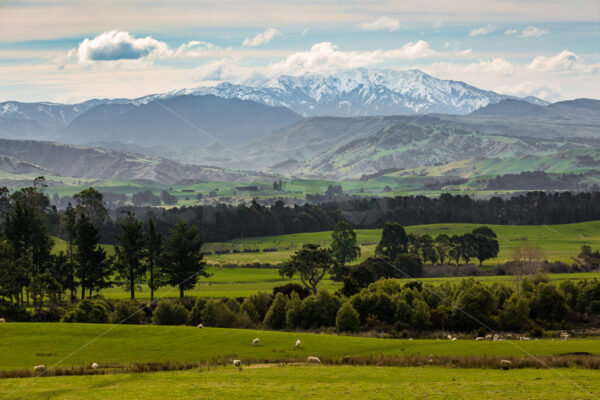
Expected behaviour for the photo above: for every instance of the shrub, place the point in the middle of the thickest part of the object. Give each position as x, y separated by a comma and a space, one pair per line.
347, 319
548, 303
276, 316
249, 309
169, 312
420, 318
127, 313
261, 302
13, 312
515, 315
88, 311
195, 315
289, 288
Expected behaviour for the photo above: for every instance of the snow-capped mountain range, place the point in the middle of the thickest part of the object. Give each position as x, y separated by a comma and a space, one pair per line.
357, 92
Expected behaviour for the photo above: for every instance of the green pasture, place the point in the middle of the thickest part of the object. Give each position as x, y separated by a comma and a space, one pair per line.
61, 344
314, 382
558, 242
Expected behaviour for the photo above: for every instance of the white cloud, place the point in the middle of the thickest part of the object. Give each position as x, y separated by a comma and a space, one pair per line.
262, 38
511, 32
197, 48
484, 30
437, 24
533, 31
563, 61
117, 45
325, 56
543, 90
383, 23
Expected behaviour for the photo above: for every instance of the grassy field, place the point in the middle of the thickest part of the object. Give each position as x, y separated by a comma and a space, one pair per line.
559, 242
314, 382
27, 344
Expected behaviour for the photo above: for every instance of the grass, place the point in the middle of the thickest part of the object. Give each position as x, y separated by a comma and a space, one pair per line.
318, 382
74, 345
559, 242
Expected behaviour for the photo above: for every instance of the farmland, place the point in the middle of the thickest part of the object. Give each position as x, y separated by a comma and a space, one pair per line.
296, 382
559, 242
78, 345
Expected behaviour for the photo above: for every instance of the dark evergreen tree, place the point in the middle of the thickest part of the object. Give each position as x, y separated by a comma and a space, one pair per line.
129, 251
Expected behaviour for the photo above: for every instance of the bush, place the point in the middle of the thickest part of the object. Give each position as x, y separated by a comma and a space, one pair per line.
289, 288
515, 315
88, 311
169, 312
420, 318
276, 316
347, 319
13, 312
261, 302
195, 316
127, 313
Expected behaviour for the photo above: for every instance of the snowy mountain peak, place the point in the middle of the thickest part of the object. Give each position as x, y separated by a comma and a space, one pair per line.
357, 92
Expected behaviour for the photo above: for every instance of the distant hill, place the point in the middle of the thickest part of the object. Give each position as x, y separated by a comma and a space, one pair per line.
36, 157
178, 122
416, 145
509, 107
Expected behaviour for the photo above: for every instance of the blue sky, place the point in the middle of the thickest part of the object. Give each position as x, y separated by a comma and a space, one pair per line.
72, 50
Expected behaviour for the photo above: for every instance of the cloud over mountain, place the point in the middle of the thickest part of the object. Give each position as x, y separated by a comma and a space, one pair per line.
262, 38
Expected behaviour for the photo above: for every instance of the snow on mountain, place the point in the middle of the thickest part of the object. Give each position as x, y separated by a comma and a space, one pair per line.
357, 92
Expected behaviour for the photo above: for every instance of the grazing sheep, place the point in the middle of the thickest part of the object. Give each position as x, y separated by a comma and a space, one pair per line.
2, 320
505, 364
95, 366
488, 336
449, 337
238, 364
479, 338
40, 368
298, 343
509, 335
525, 338
496, 337
454, 339
564, 336
256, 341
313, 360
200, 326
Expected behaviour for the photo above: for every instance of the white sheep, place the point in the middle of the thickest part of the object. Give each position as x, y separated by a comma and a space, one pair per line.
479, 338
298, 343
2, 320
200, 326
525, 338
95, 366
496, 337
488, 336
313, 360
449, 337
256, 341
40, 368
454, 339
238, 364
505, 364
564, 336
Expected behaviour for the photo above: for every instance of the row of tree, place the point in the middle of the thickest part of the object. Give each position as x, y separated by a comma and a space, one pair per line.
30, 267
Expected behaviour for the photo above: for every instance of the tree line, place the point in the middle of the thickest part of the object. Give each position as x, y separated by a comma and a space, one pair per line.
226, 222
30, 268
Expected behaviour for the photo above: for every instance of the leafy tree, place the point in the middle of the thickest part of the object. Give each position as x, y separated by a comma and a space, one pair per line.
467, 247
13, 270
485, 243
548, 303
92, 268
168, 198
514, 316
153, 253
129, 251
408, 266
474, 305
420, 318
442, 247
184, 259
90, 202
427, 251
169, 312
347, 319
455, 249
393, 240
276, 316
311, 262
343, 245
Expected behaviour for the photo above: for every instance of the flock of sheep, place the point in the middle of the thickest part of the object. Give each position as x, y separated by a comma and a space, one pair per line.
504, 364
256, 342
